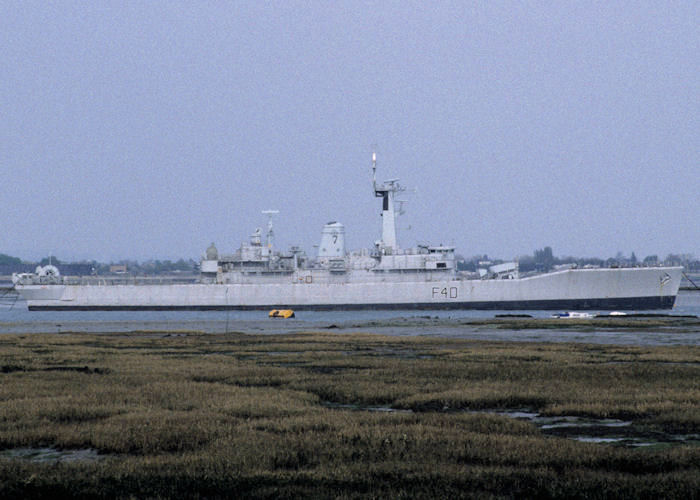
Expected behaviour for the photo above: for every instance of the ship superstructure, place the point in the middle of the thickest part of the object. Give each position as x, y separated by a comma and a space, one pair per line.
385, 276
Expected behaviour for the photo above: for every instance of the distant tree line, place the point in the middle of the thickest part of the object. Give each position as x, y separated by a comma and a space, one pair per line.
8, 260
545, 260
9, 265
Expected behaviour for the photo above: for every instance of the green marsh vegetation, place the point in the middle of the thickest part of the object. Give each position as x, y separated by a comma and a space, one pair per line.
308, 415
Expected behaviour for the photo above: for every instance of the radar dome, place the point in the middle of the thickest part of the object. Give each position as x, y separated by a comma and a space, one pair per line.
212, 252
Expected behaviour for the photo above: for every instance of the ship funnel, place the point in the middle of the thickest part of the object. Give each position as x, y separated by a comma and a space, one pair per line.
332, 241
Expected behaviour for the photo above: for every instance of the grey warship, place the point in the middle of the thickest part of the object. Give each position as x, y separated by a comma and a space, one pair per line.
385, 276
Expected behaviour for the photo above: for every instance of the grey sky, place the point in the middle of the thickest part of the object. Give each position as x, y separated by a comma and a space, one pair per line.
148, 129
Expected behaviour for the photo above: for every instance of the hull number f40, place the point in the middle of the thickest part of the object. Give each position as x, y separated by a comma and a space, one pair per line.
445, 293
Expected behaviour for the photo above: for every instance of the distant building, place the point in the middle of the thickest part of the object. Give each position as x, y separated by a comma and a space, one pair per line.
118, 269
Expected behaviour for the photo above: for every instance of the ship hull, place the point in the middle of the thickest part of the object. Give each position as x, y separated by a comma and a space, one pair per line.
621, 303
579, 289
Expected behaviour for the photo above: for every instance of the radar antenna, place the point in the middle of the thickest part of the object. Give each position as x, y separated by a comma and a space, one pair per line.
270, 233
374, 170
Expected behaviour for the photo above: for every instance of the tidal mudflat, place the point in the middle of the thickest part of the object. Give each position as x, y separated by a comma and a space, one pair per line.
328, 414
644, 330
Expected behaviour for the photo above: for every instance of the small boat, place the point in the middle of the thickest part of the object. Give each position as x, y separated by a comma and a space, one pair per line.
282, 313
573, 315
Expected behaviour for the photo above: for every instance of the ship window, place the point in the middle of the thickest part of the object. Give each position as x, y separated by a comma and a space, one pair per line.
386, 201
441, 265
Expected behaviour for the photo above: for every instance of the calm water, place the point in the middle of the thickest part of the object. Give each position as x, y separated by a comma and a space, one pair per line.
15, 318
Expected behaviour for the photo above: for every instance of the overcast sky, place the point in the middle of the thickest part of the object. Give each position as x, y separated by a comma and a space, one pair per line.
149, 129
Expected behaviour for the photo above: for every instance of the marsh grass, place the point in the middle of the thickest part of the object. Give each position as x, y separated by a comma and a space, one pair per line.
246, 415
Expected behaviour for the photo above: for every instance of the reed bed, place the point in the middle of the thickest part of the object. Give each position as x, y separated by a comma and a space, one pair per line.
339, 415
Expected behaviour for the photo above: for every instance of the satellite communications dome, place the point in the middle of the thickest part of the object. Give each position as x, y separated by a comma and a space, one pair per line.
212, 252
